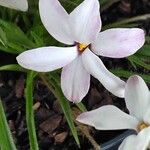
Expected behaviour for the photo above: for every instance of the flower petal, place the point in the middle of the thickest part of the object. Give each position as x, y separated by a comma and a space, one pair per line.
118, 43
47, 58
15, 4
86, 21
108, 118
75, 81
56, 20
137, 96
137, 142
96, 68
146, 118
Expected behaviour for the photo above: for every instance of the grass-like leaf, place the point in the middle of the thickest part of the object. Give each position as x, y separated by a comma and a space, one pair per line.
6, 140
145, 50
30, 112
139, 62
81, 107
12, 67
127, 74
51, 82
15, 39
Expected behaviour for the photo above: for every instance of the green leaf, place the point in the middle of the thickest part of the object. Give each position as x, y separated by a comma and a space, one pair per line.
39, 41
127, 21
63, 102
139, 62
6, 140
127, 74
81, 107
69, 5
147, 39
12, 67
15, 36
30, 112
3, 38
145, 50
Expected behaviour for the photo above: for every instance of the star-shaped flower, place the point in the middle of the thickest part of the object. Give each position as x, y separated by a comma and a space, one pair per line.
137, 99
141, 141
15, 4
81, 29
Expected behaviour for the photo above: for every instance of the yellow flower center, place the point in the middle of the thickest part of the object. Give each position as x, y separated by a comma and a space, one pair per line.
142, 126
82, 47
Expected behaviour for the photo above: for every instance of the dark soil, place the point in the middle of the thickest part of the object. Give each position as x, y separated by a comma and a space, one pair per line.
52, 129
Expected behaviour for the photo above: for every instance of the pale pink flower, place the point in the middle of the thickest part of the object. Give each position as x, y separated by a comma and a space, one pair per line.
81, 29
15, 4
141, 141
109, 117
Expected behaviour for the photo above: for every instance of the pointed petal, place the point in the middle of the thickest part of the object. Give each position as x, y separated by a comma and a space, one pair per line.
86, 21
137, 96
118, 43
96, 68
47, 58
15, 4
75, 81
56, 20
108, 118
137, 142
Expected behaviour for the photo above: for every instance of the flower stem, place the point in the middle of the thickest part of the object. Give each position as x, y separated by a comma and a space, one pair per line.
30, 112
54, 87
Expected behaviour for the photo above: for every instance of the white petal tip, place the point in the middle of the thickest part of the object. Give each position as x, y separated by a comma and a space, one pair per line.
134, 79
21, 5
82, 118
131, 39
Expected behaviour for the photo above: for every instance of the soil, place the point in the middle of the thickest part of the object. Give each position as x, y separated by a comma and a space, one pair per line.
52, 130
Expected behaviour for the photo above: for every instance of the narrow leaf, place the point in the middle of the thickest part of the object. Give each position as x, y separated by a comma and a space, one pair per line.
139, 62
145, 50
63, 102
81, 107
127, 74
6, 140
30, 112
12, 67
3, 38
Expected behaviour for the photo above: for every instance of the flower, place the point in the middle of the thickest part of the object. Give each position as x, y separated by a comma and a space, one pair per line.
109, 117
15, 4
137, 142
81, 29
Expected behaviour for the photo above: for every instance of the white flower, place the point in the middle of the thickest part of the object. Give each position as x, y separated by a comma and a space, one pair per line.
15, 4
81, 29
137, 142
137, 99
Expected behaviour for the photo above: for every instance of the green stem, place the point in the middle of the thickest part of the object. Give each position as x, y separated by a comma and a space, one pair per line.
30, 112
54, 87
79, 105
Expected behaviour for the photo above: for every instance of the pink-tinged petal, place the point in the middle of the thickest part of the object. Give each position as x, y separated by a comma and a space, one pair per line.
96, 68
86, 21
47, 58
108, 118
119, 42
75, 81
56, 20
137, 142
137, 96
15, 4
